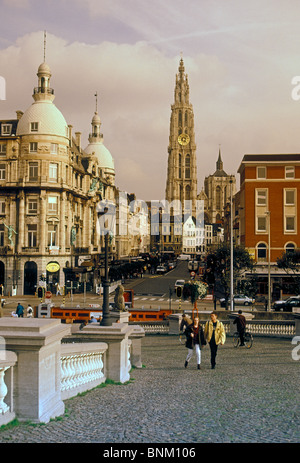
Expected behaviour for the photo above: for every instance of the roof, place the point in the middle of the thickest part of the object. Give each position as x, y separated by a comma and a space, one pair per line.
50, 119
269, 158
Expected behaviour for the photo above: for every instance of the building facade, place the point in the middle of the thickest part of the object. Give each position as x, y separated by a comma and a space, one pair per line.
268, 212
50, 190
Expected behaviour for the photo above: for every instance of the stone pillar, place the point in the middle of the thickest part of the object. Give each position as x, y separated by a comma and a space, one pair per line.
37, 344
118, 355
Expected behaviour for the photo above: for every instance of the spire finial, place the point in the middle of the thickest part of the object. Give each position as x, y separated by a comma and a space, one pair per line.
44, 46
96, 95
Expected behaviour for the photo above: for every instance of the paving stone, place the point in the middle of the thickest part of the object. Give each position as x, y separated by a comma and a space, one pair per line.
251, 397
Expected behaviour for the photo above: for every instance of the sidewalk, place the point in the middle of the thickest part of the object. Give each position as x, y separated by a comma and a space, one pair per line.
251, 397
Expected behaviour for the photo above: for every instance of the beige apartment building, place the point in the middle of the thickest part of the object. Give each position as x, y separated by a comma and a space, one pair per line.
49, 191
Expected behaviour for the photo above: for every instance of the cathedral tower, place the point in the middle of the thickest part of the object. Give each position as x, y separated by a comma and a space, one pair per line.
182, 169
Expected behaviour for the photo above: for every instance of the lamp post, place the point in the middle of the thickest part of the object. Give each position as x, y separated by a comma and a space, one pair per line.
231, 248
268, 214
106, 228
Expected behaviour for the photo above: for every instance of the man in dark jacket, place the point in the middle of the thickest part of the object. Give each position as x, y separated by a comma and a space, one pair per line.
20, 310
240, 322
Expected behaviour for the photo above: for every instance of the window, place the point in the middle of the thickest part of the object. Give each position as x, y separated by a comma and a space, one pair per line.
2, 171
261, 172
1, 235
2, 205
2, 148
290, 248
262, 251
52, 172
54, 148
261, 224
290, 172
261, 197
179, 166
51, 235
34, 126
32, 206
6, 129
33, 146
187, 166
52, 204
289, 197
32, 235
290, 224
33, 171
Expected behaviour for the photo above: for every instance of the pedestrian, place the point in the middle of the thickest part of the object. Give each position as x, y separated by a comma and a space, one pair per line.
93, 319
20, 310
29, 311
214, 334
57, 289
194, 341
240, 322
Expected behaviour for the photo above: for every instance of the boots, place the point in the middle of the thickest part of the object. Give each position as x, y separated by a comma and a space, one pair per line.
186, 364
198, 366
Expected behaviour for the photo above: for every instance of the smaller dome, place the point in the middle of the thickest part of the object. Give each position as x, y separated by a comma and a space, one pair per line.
103, 155
44, 69
96, 119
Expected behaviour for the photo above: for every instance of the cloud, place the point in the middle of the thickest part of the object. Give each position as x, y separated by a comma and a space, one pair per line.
243, 102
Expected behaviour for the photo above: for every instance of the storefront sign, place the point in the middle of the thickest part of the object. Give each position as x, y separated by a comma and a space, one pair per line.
53, 267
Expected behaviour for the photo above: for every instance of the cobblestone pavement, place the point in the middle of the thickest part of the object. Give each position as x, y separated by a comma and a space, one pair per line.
251, 397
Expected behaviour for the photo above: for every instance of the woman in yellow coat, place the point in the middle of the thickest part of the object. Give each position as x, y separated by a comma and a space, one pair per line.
214, 333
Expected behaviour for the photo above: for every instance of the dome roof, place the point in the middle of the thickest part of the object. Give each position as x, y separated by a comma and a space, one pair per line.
50, 120
44, 68
102, 153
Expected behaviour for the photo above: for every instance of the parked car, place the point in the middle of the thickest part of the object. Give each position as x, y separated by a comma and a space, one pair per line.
161, 269
286, 305
238, 299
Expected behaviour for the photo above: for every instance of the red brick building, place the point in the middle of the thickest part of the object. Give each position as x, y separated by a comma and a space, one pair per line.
268, 210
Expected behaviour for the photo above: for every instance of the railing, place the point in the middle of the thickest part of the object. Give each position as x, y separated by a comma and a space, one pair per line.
7, 361
272, 328
48, 90
82, 367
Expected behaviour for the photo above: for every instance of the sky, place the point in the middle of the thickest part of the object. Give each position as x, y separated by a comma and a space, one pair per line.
242, 59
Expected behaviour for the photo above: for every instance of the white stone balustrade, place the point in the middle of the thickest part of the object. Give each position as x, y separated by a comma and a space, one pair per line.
7, 361
82, 367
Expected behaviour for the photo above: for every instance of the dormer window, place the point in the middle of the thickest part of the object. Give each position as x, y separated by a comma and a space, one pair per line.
34, 126
6, 129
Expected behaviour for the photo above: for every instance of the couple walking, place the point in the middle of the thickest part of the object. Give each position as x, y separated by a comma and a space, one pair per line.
196, 337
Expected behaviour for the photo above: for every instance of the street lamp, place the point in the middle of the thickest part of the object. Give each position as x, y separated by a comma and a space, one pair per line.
231, 248
268, 214
106, 226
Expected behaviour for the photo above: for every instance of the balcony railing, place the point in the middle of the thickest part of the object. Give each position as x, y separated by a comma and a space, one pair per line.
36, 90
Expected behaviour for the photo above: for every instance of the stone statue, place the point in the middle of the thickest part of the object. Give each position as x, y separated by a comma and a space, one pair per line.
10, 231
119, 299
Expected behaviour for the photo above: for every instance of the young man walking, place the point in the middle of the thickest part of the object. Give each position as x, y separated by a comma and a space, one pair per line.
214, 333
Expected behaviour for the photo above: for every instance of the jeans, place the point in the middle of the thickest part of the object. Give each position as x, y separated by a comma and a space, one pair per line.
198, 353
213, 352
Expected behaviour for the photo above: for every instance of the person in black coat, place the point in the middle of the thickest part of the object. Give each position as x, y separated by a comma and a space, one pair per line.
194, 341
240, 322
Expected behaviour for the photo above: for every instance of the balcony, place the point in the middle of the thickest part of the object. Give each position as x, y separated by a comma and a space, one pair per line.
49, 91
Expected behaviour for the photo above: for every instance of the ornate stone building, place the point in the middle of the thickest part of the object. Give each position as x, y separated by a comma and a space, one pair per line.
49, 190
182, 166
217, 191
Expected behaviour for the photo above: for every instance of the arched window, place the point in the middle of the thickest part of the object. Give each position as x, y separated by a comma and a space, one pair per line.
290, 248
218, 197
187, 193
180, 119
261, 251
187, 166
179, 165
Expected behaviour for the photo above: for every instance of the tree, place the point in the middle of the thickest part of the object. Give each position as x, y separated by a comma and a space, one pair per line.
290, 263
217, 268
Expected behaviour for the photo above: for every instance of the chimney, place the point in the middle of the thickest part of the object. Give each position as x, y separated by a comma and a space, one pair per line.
78, 139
